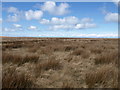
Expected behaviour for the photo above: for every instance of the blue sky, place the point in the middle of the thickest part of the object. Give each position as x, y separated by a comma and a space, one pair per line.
54, 19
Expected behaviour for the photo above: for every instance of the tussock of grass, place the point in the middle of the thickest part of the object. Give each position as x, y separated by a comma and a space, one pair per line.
47, 50
68, 85
58, 48
3, 49
30, 58
106, 76
46, 65
12, 79
17, 59
69, 48
107, 58
78, 52
96, 50
51, 64
12, 45
6, 58
69, 58
81, 52
33, 50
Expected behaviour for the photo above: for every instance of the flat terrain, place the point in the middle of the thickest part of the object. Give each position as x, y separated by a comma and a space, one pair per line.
59, 63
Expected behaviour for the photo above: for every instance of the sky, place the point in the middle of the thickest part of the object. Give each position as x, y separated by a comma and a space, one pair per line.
60, 19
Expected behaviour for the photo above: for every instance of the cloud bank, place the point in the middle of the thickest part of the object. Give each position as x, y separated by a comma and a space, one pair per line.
52, 8
32, 27
30, 14
112, 17
70, 22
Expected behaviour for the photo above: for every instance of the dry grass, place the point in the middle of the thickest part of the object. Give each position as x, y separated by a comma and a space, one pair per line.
17, 59
58, 48
69, 58
81, 52
48, 64
30, 58
3, 48
7, 58
68, 85
107, 58
51, 63
69, 48
46, 50
12, 79
33, 50
78, 52
12, 45
59, 63
96, 50
105, 76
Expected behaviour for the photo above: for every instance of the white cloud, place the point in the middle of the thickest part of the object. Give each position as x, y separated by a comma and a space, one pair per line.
56, 27
84, 20
17, 25
5, 29
8, 29
79, 26
44, 21
57, 21
12, 10
32, 27
0, 20
70, 22
111, 17
18, 15
14, 14
62, 9
13, 18
33, 14
116, 2
90, 25
112, 35
52, 8
66, 20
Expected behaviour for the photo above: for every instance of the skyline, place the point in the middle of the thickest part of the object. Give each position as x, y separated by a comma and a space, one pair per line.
72, 19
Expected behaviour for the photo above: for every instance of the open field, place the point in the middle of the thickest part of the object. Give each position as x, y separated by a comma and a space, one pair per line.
59, 63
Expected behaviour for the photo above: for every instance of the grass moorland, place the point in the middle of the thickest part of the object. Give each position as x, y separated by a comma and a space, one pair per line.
59, 63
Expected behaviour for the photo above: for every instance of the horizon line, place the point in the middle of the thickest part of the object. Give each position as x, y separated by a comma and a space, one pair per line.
52, 37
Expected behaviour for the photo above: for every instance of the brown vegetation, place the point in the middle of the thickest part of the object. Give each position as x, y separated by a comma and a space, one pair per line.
104, 76
83, 53
46, 65
13, 79
59, 63
106, 58
17, 59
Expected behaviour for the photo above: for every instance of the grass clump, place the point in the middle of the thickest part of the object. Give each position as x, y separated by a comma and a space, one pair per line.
7, 58
69, 48
46, 65
12, 79
81, 52
33, 50
68, 85
96, 50
106, 58
105, 76
17, 59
